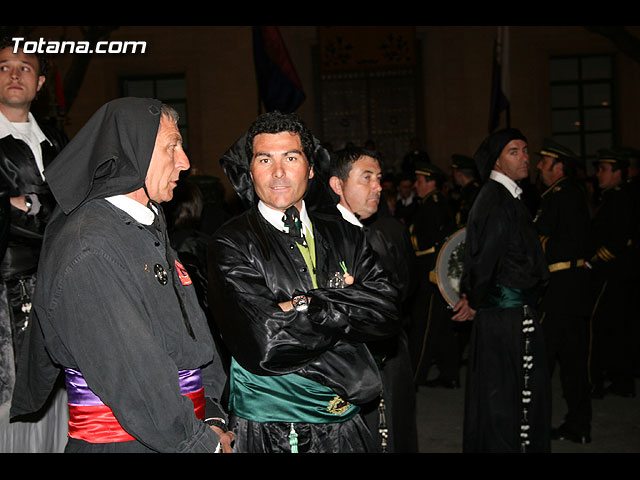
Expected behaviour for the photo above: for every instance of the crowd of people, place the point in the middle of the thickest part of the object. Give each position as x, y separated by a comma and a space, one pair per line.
142, 314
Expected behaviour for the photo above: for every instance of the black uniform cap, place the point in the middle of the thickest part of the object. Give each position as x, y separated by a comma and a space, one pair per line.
428, 170
617, 158
553, 149
462, 162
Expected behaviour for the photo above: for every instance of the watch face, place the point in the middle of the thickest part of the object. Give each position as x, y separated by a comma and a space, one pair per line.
300, 303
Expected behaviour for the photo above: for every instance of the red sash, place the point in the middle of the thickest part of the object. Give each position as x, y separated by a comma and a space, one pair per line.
94, 422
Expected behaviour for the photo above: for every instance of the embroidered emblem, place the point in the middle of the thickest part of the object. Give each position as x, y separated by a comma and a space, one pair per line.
161, 274
338, 406
182, 274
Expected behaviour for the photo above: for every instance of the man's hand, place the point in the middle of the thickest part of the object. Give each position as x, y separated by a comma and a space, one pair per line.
19, 203
226, 438
286, 306
464, 311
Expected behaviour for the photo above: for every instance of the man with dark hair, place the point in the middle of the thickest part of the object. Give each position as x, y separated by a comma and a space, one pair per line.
507, 397
355, 178
297, 295
562, 222
116, 310
26, 148
406, 200
610, 259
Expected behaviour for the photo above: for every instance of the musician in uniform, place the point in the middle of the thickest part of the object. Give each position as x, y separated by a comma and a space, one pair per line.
610, 259
432, 221
465, 176
562, 222
633, 185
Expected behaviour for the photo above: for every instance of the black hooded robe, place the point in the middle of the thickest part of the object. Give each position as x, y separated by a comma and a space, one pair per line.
502, 248
112, 302
507, 396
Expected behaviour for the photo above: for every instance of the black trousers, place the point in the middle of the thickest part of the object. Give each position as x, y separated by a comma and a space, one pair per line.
567, 344
612, 327
443, 345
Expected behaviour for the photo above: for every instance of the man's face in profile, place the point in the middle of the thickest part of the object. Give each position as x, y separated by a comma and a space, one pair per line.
167, 161
360, 193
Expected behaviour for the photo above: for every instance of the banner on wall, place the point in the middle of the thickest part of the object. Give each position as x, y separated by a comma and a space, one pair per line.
279, 87
500, 80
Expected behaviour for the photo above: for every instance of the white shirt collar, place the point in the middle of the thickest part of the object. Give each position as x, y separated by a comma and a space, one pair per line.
274, 217
135, 209
405, 201
509, 184
349, 216
8, 128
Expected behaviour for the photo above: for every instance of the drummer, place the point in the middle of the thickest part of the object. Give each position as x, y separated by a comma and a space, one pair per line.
431, 222
467, 184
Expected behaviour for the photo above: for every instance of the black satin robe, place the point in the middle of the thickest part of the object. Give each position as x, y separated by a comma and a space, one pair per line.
20, 240
390, 239
253, 267
502, 247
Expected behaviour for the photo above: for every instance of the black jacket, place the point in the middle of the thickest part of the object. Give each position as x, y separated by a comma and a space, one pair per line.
253, 267
19, 175
562, 222
611, 233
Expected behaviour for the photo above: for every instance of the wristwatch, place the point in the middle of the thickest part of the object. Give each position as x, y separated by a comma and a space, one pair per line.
28, 203
217, 422
300, 303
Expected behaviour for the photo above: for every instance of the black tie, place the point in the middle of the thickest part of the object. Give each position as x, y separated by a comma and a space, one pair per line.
291, 220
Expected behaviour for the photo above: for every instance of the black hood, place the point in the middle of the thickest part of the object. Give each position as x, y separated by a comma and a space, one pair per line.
110, 155
491, 148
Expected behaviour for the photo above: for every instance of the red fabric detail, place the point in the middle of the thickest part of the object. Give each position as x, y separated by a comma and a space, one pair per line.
98, 424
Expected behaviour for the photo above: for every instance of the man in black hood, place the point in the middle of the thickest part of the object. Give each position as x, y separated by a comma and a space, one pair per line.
507, 404
116, 310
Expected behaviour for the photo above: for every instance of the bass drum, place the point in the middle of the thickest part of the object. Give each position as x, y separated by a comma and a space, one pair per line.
449, 266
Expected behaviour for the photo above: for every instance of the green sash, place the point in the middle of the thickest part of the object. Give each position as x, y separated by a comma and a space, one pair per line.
501, 296
286, 398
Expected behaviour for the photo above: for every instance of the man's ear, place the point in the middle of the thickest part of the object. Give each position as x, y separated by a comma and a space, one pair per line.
336, 185
558, 167
41, 80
